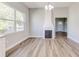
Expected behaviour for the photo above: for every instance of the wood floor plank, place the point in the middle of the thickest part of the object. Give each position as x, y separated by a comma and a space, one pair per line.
59, 47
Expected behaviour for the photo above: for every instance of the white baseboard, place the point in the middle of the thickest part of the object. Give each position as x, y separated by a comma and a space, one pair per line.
74, 39
36, 36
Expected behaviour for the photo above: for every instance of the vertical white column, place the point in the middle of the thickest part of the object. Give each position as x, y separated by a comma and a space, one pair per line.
53, 22
49, 23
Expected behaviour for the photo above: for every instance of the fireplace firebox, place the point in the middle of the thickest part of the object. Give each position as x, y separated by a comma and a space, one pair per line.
48, 33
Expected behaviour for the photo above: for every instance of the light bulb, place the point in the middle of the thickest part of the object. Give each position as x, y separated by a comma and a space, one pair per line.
50, 7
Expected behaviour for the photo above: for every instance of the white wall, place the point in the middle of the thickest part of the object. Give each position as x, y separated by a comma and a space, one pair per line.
36, 22
37, 17
14, 38
73, 22
61, 12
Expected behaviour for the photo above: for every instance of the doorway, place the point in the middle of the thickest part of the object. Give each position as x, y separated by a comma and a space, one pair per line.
61, 27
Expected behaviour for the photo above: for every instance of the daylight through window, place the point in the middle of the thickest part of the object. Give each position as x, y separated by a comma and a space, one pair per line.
11, 20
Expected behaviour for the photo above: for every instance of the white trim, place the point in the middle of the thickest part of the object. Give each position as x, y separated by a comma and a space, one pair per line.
72, 38
36, 36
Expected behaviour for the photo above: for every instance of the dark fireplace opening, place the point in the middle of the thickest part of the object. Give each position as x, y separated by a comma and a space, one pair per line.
48, 33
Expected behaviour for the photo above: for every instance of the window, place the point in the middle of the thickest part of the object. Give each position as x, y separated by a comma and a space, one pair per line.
11, 20
6, 26
19, 21
6, 12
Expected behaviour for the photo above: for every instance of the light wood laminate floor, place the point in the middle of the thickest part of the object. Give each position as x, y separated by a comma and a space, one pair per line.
59, 47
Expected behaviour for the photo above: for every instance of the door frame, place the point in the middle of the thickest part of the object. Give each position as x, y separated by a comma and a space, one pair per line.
66, 24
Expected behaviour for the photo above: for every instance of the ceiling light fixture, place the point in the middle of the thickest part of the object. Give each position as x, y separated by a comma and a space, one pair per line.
49, 7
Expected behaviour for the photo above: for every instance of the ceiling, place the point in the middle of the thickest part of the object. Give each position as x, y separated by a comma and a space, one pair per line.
42, 4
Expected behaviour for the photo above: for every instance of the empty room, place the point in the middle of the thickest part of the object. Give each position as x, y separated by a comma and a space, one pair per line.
39, 29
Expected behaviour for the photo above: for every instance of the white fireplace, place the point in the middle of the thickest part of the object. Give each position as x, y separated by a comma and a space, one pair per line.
49, 22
